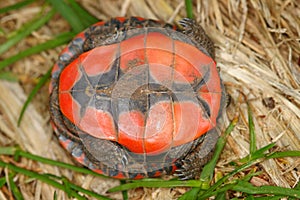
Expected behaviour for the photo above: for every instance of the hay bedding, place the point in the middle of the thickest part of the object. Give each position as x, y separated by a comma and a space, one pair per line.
257, 47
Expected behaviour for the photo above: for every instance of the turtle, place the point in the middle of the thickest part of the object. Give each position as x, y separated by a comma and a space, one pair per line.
132, 98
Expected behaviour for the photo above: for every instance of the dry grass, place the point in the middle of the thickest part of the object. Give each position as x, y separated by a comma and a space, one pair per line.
258, 51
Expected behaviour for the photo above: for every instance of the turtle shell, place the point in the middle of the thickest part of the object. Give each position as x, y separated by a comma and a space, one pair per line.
132, 97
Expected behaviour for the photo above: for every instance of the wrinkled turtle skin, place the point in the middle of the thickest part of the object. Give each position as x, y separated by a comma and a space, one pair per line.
134, 98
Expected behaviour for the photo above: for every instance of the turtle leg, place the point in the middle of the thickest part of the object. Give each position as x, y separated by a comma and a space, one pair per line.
113, 159
104, 151
193, 162
198, 35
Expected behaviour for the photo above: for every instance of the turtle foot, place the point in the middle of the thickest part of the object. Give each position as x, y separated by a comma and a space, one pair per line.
193, 163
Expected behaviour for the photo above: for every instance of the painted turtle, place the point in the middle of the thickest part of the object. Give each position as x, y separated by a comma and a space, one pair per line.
133, 98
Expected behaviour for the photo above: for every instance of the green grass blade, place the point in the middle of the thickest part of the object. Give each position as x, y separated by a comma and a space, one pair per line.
56, 163
248, 188
41, 82
14, 189
59, 40
216, 189
190, 195
83, 14
265, 198
2, 181
189, 8
9, 76
26, 30
55, 196
208, 169
212, 190
220, 190
284, 154
67, 189
90, 193
221, 196
251, 174
16, 6
69, 14
155, 183
251, 131
124, 193
8, 150
297, 187
260, 153
40, 177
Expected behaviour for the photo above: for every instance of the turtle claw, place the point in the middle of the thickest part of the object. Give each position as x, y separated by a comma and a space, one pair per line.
188, 170
185, 22
183, 174
187, 25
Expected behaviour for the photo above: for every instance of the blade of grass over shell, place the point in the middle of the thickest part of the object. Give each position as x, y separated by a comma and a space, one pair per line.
15, 6
189, 8
57, 41
34, 91
27, 29
77, 20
